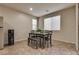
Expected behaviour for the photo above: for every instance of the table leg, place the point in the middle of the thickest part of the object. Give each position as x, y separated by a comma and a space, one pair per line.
43, 42
40, 43
50, 41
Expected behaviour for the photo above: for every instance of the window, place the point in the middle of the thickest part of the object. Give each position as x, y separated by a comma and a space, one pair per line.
47, 24
52, 23
34, 24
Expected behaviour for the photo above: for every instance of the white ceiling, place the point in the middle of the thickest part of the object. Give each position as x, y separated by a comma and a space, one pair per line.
39, 9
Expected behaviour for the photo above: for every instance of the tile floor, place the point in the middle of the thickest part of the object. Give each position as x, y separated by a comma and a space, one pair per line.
21, 48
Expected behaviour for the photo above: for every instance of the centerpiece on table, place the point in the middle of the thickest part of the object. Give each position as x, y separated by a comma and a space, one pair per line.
39, 30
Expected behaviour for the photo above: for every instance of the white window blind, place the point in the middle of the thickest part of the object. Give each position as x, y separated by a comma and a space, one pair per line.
34, 24
52, 23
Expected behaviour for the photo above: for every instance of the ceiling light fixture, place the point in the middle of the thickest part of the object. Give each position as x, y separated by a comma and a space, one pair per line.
31, 9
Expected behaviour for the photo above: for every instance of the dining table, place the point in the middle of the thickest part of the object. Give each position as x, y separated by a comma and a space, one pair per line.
41, 36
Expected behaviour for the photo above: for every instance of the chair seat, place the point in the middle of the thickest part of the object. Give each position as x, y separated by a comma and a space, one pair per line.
33, 42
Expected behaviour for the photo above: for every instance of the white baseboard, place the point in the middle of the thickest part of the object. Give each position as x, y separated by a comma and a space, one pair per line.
54, 39
65, 41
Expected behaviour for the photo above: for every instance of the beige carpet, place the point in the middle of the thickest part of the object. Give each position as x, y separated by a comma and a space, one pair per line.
21, 48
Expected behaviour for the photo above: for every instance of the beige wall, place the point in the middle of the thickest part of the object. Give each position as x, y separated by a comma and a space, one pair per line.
78, 26
1, 33
68, 25
20, 22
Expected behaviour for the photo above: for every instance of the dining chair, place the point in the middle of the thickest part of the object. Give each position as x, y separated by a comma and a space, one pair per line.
48, 39
33, 40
